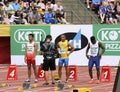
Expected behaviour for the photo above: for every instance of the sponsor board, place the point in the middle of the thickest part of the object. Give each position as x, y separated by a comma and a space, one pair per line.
78, 36
19, 38
109, 35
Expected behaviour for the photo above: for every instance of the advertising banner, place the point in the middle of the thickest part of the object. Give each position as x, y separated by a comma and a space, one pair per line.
109, 36
78, 36
19, 38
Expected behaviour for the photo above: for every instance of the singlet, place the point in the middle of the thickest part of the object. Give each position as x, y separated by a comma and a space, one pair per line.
94, 49
63, 51
30, 50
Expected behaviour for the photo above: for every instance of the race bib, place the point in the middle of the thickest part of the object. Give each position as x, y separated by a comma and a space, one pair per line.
29, 49
62, 51
93, 51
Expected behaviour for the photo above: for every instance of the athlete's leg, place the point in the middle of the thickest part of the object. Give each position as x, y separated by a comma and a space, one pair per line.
97, 64
66, 68
60, 64
35, 70
90, 66
29, 71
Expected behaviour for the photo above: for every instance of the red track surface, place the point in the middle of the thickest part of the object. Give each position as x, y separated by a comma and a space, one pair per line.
82, 81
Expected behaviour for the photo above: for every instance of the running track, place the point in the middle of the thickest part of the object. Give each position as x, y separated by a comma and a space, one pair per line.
82, 81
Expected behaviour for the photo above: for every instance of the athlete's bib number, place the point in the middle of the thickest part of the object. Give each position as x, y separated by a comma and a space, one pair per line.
93, 51
62, 51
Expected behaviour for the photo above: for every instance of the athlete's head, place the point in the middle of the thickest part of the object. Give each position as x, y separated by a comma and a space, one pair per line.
93, 40
31, 37
63, 37
48, 38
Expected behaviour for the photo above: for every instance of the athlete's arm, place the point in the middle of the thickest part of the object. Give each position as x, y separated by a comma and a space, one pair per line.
25, 53
88, 47
72, 48
35, 49
102, 47
41, 50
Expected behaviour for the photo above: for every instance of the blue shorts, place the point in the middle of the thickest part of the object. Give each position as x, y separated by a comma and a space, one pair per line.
63, 61
94, 60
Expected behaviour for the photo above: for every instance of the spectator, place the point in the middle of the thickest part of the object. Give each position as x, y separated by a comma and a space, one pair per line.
32, 6
34, 17
102, 12
13, 18
1, 13
60, 17
49, 5
26, 8
16, 5
95, 5
8, 8
117, 13
23, 17
42, 5
117, 4
59, 7
49, 17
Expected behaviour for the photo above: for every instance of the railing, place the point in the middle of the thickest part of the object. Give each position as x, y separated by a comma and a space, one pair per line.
77, 13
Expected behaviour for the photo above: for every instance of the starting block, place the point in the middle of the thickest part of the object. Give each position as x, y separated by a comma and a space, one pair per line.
3, 85
41, 74
56, 77
12, 73
81, 90
62, 87
26, 86
72, 73
105, 74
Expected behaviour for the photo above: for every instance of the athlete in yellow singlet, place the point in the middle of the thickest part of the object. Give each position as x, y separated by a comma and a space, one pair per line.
63, 46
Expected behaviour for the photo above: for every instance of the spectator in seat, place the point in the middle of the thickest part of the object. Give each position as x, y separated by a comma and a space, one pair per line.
49, 17
34, 17
16, 5
26, 8
49, 5
60, 18
117, 13
41, 4
95, 5
117, 4
102, 12
1, 14
8, 8
59, 7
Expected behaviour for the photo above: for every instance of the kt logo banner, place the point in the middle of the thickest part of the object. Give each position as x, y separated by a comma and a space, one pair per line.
19, 37
78, 40
109, 35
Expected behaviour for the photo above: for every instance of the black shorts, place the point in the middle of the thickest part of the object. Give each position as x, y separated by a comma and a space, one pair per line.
49, 64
